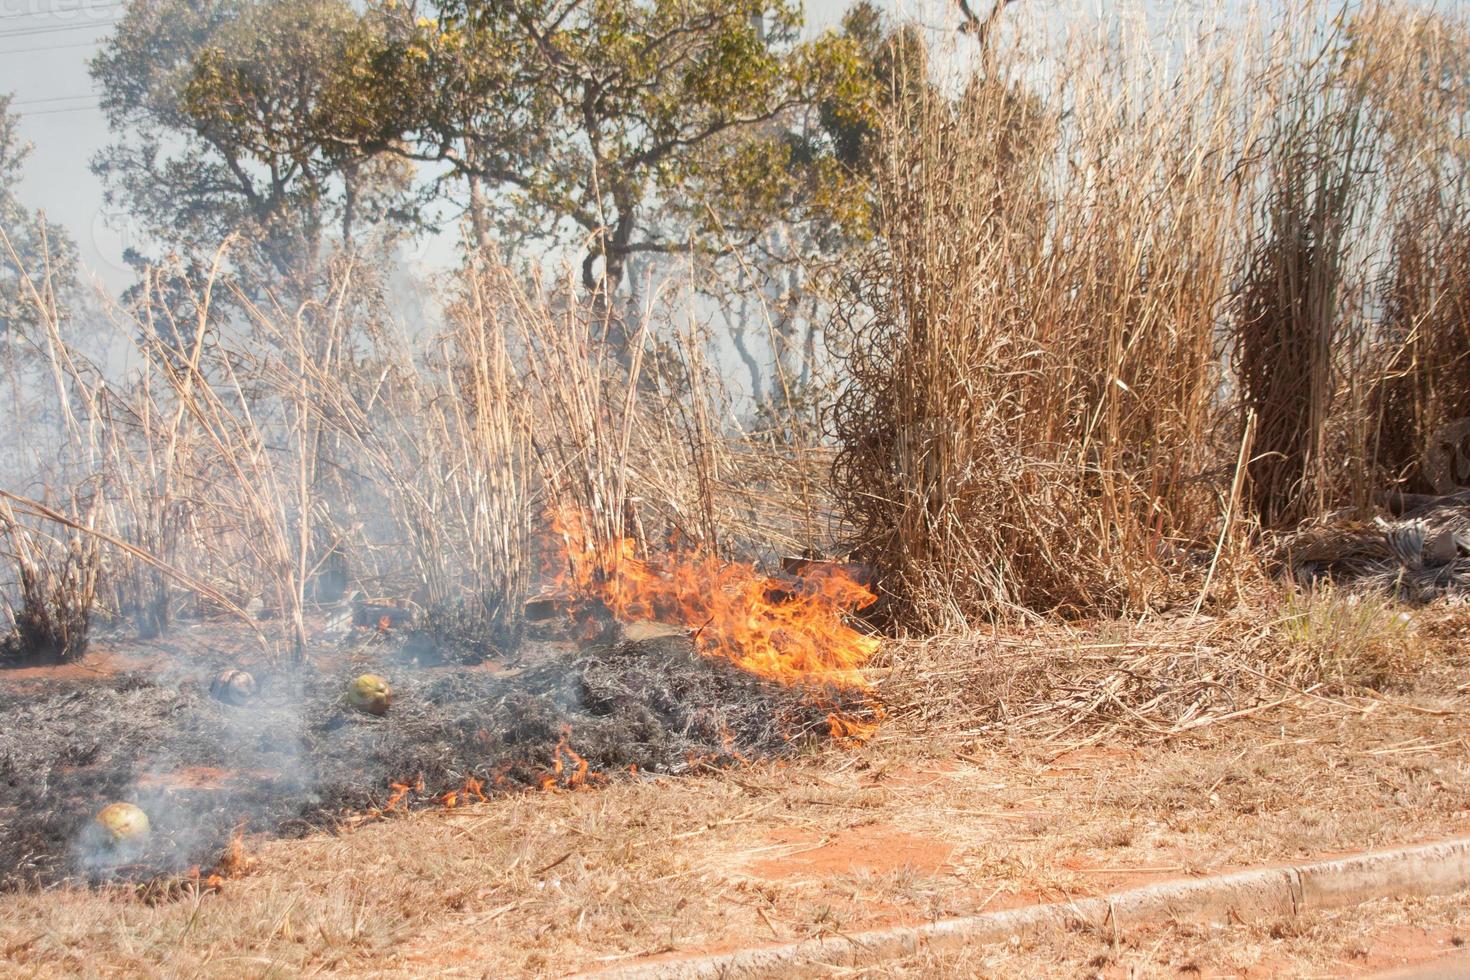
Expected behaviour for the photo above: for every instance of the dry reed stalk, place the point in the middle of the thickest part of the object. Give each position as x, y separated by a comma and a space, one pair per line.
1294, 339
57, 575
252, 444
1415, 65
1030, 420
1089, 278
58, 588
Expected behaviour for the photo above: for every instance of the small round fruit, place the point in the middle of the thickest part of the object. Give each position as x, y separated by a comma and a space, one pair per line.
124, 823
233, 687
370, 693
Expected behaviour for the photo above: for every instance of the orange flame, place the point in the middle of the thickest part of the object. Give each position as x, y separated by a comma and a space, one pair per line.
235, 862
401, 791
569, 770
794, 631
473, 791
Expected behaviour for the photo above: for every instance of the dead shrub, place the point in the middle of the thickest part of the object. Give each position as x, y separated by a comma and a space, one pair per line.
57, 582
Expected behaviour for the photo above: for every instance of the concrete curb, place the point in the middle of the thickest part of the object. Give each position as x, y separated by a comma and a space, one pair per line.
1426, 869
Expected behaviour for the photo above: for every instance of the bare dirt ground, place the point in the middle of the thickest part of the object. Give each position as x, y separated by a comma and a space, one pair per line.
942, 814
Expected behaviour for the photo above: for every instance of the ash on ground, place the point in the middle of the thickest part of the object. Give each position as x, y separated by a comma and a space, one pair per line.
297, 758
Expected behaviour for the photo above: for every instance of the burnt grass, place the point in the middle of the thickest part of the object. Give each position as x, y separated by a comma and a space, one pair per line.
296, 759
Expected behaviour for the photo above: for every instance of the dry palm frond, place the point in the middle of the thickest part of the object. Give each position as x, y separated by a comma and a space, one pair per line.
1417, 557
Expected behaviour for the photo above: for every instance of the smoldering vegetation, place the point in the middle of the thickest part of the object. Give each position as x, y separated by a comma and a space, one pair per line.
297, 758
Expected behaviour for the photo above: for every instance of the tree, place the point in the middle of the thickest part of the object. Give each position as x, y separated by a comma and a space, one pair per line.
37, 258
224, 111
626, 126
793, 261
618, 128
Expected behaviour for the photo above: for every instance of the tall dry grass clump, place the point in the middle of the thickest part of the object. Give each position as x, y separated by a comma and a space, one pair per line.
57, 572
1414, 66
1135, 297
1031, 415
1294, 337
1424, 389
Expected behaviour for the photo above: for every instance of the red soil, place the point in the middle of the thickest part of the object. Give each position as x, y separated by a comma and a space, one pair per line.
98, 663
875, 848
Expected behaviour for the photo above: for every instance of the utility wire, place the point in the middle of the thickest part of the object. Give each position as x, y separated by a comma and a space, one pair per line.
57, 29
69, 11
57, 112
57, 98
53, 47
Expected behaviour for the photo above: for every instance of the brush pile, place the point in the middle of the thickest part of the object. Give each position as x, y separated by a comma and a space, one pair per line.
1419, 555
1331, 649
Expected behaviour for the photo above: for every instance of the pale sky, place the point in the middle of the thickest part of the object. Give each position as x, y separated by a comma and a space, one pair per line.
44, 48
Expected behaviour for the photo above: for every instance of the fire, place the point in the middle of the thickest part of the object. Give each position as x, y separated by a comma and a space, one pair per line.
400, 792
792, 630
569, 770
235, 861
473, 791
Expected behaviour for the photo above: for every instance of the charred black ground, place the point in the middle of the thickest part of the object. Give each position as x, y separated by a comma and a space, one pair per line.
296, 759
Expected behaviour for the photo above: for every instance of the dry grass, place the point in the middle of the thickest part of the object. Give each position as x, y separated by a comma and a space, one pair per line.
276, 458
1032, 414
1115, 314
1161, 678
1097, 291
58, 589
1424, 383
1294, 325
932, 818
1361, 941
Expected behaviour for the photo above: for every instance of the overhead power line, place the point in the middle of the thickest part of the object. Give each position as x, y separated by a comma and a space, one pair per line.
57, 98
56, 29
57, 112
53, 47
83, 8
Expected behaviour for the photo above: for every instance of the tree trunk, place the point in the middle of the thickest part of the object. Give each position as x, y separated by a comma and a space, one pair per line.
608, 321
479, 226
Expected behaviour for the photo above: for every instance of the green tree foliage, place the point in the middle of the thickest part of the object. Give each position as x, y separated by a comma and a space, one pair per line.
618, 128
633, 126
225, 113
37, 258
797, 262
894, 65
